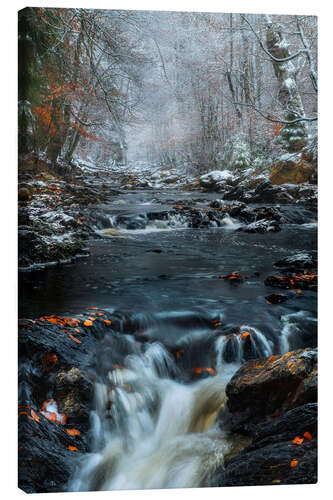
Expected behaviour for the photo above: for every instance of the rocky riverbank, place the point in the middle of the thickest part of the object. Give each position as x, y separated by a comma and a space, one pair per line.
51, 199
59, 206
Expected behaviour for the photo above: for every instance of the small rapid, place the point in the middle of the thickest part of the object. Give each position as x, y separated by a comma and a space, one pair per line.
157, 432
153, 426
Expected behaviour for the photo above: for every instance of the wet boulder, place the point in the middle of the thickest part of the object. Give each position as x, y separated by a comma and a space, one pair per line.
261, 226
274, 403
24, 193
74, 392
264, 389
291, 169
279, 462
215, 180
237, 193
298, 262
276, 298
299, 281
265, 192
47, 455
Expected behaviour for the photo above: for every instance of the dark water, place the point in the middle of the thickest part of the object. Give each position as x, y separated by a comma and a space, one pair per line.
180, 285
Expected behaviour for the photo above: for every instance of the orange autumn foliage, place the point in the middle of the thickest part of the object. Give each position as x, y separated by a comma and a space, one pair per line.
107, 321
61, 320
307, 435
75, 339
87, 322
200, 370
34, 416
72, 448
298, 440
293, 463
73, 432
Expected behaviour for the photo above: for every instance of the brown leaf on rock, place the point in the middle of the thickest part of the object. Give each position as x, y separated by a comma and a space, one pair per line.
34, 416
73, 432
75, 339
61, 320
298, 440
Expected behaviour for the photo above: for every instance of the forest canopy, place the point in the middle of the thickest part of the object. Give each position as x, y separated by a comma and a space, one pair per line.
210, 91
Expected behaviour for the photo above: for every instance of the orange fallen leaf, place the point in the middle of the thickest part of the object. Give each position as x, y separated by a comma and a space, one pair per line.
72, 448
91, 318
73, 432
200, 370
34, 416
298, 291
24, 413
293, 463
61, 320
96, 308
107, 321
77, 330
298, 440
244, 335
88, 322
75, 339
307, 435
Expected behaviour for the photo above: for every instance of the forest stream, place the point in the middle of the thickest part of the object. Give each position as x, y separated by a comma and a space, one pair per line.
185, 308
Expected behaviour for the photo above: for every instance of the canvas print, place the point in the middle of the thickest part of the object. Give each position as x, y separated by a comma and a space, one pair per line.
167, 233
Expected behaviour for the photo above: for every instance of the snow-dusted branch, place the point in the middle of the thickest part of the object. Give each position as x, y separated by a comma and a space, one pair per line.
275, 59
313, 72
276, 120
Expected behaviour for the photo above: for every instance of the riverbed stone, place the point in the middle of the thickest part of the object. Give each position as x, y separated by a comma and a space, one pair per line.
262, 389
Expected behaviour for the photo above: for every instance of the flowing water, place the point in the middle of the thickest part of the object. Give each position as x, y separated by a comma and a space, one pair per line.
154, 423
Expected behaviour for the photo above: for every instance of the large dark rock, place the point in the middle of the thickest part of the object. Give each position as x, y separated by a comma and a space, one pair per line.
276, 463
308, 281
261, 226
273, 402
265, 388
24, 194
298, 262
74, 391
55, 358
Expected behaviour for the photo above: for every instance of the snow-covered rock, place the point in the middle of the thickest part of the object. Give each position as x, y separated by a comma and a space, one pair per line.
215, 179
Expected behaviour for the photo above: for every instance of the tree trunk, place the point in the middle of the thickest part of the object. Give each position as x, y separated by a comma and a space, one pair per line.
293, 137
